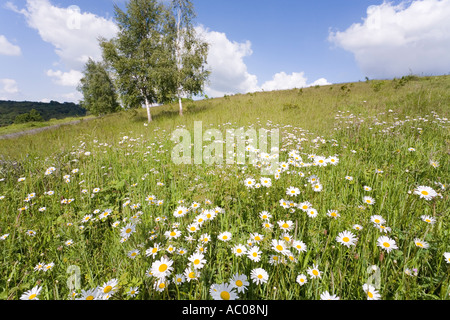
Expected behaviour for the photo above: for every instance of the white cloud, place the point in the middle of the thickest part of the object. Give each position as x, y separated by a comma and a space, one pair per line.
8, 86
283, 81
226, 61
73, 34
7, 48
71, 78
395, 40
229, 74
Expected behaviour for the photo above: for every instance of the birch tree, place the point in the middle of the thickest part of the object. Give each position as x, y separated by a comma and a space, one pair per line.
142, 54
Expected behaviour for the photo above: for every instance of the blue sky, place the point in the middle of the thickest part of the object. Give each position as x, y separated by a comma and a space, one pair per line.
255, 44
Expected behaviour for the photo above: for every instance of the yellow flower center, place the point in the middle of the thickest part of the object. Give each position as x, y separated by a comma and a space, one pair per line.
154, 250
279, 248
128, 230
162, 268
173, 233
419, 244
239, 250
162, 285
260, 276
225, 295
315, 272
424, 192
32, 296
191, 275
255, 254
107, 289
345, 239
239, 283
90, 298
224, 237
196, 261
285, 225
377, 220
386, 244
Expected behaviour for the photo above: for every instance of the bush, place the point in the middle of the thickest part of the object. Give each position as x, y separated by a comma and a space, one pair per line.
32, 116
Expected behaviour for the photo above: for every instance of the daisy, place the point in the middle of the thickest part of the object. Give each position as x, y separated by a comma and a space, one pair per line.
434, 164
264, 215
421, 244
152, 251
197, 260
173, 234
109, 288
249, 182
292, 191
314, 272
425, 192
327, 296
368, 200
347, 239
160, 284
279, 246
349, 178
193, 227
31, 233
300, 246
239, 250
254, 253
180, 211
266, 182
285, 225
312, 213
127, 230
179, 279
267, 225
225, 236
133, 253
357, 227
31, 294
447, 256
428, 219
333, 160
86, 218
39, 266
377, 219
239, 281
367, 188
205, 238
91, 294
133, 291
301, 279
333, 214
162, 268
259, 275
304, 206
224, 291
191, 274
317, 187
3, 237
372, 293
386, 243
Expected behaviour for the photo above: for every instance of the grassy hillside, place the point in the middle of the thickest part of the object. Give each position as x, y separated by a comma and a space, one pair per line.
357, 162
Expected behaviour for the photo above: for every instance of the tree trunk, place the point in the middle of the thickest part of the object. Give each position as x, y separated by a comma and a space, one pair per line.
149, 116
181, 106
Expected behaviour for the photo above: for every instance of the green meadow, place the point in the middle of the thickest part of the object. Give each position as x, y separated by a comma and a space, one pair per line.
357, 209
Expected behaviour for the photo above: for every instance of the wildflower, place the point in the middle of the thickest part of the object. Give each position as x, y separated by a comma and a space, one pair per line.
31, 233
301, 279
312, 213
133, 253
357, 227
39, 267
428, 219
254, 253
3, 237
367, 188
266, 182
152, 251
421, 244
191, 274
317, 187
225, 236
109, 288
86, 218
256, 237
386, 243
347, 239
160, 284
162, 268
249, 182
425, 192
292, 191
223, 291
286, 225
369, 200
31, 294
259, 275
372, 293
314, 272
300, 246
239, 250
434, 164
264, 215
447, 256
304, 206
197, 260
349, 178
133, 291
48, 266
333, 214
127, 230
69, 242
279, 246
173, 234
239, 281
179, 279
327, 296
193, 227
377, 219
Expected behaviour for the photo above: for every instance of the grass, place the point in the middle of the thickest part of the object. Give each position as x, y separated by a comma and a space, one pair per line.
368, 126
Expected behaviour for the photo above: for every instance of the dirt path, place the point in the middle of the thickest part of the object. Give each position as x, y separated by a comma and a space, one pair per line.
36, 130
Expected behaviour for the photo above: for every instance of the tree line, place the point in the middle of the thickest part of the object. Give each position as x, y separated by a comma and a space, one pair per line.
156, 57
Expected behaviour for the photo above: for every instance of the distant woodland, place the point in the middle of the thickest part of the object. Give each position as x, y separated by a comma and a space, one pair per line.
9, 110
